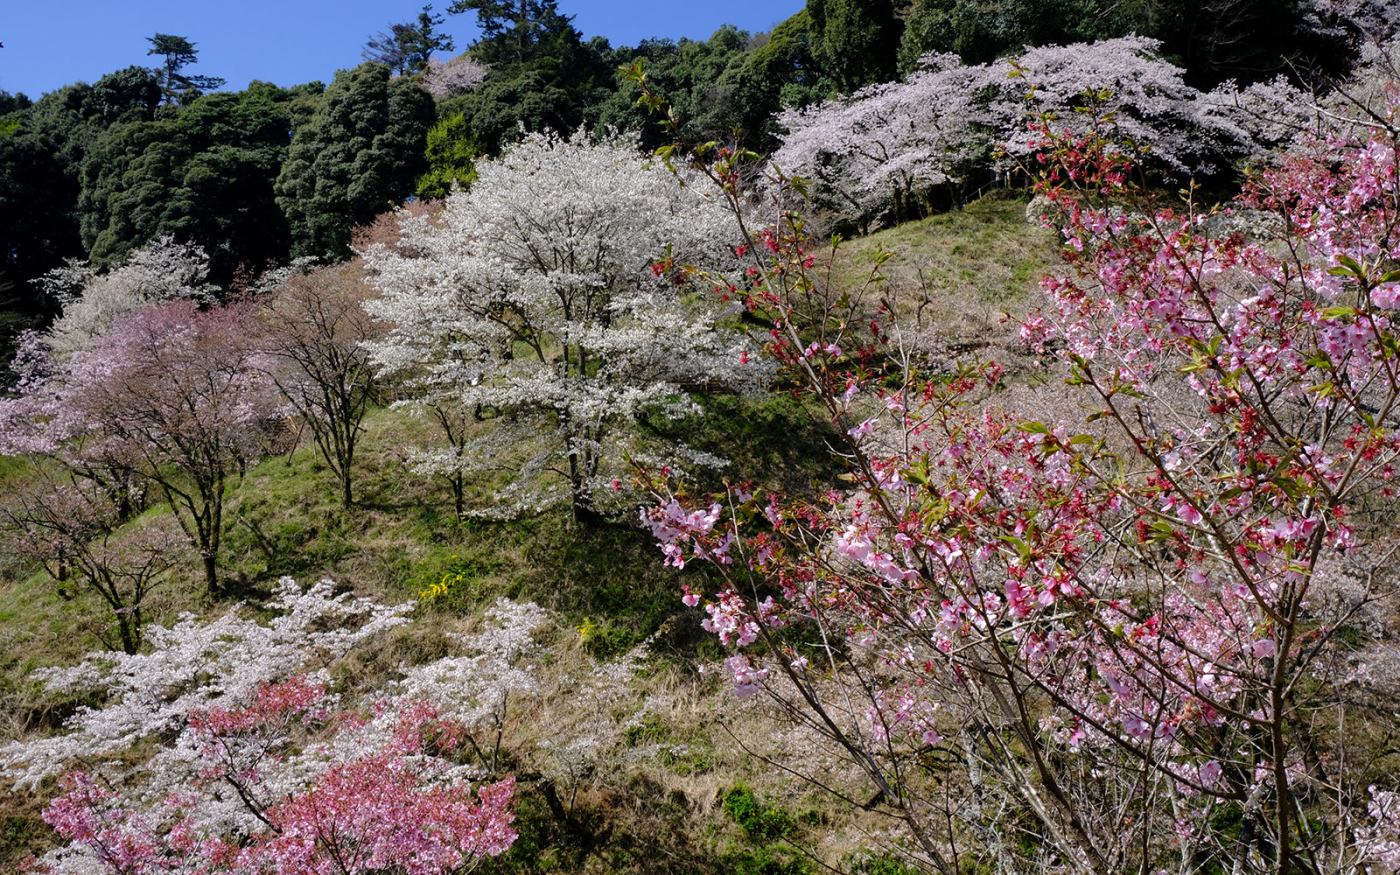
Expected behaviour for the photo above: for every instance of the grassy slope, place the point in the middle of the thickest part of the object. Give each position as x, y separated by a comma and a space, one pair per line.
662, 808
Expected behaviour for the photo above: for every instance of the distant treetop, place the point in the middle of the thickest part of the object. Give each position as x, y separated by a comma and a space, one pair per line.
407, 48
176, 86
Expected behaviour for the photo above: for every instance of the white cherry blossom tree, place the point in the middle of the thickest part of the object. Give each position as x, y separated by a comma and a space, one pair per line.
162, 270
461, 75
886, 150
550, 299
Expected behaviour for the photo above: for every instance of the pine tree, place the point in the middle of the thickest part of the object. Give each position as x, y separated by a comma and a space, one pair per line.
511, 30
176, 86
407, 47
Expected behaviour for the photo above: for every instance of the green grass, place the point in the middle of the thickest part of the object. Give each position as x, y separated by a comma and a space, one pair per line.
960, 274
769, 833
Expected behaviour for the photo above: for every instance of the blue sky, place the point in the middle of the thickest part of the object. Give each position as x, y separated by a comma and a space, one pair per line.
291, 41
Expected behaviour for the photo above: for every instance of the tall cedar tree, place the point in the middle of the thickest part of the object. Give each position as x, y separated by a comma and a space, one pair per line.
854, 41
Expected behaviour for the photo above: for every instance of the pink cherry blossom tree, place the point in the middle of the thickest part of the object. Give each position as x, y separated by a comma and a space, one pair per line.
1128, 643
38, 420
170, 393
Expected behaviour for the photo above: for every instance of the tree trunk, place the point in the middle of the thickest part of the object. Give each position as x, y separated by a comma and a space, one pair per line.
211, 573
584, 512
128, 635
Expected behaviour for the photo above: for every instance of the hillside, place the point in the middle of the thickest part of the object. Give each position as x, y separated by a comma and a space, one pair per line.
929, 436
675, 759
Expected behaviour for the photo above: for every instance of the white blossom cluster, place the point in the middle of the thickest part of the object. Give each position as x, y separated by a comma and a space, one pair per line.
499, 666
887, 141
162, 270
606, 694
1378, 21
73, 860
462, 74
474, 688
947, 124
1276, 117
1379, 839
1150, 107
195, 666
549, 296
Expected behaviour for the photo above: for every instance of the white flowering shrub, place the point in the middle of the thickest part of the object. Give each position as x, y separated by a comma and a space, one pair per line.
550, 298
191, 666
162, 270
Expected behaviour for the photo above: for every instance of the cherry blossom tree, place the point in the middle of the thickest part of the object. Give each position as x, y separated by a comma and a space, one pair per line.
37, 420
462, 74
76, 531
885, 150
1277, 116
476, 689
1123, 87
170, 395
887, 146
314, 331
546, 299
1377, 22
160, 271
257, 765
1131, 643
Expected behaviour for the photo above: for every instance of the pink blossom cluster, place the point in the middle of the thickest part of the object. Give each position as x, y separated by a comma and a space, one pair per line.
384, 811
672, 525
1379, 839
